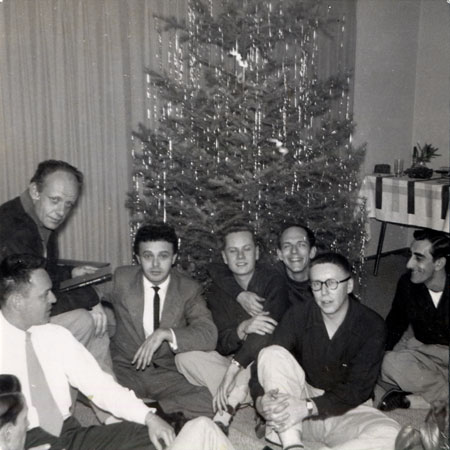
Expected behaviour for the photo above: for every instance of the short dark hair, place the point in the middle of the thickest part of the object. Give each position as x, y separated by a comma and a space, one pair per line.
333, 258
15, 273
236, 227
309, 233
46, 168
11, 399
440, 242
158, 231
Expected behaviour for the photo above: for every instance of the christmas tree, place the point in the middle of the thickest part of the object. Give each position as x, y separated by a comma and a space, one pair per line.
248, 130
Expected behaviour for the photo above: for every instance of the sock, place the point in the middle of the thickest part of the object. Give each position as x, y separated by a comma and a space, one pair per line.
222, 417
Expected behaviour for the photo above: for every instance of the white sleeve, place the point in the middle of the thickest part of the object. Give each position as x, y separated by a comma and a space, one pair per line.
84, 373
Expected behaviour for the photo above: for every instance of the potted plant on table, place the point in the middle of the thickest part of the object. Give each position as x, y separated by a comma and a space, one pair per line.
422, 154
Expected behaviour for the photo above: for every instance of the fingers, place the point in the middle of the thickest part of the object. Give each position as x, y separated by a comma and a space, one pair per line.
100, 323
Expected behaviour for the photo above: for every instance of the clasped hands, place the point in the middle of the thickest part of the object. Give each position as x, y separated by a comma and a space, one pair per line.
281, 411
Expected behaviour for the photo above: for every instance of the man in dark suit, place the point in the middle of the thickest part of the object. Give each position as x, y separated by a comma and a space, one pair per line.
160, 312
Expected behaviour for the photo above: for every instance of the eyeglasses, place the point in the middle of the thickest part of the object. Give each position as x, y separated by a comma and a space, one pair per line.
331, 284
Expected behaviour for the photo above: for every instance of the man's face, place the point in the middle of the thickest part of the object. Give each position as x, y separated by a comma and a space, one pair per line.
56, 199
156, 259
240, 253
37, 299
421, 262
331, 301
296, 252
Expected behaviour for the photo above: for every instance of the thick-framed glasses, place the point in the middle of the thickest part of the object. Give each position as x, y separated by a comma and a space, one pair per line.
331, 284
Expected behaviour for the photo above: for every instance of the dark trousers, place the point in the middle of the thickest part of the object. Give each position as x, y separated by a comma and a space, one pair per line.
118, 436
166, 386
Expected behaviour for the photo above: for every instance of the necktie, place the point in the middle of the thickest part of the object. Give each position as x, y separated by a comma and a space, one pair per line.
156, 301
50, 417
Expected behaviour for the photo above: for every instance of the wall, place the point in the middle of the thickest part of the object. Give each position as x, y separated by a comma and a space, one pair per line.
399, 99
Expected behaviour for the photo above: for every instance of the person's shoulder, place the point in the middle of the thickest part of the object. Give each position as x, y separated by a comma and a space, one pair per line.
52, 332
126, 271
12, 212
182, 278
270, 273
366, 317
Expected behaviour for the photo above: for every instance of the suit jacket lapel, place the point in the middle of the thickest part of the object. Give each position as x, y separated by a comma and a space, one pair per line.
135, 303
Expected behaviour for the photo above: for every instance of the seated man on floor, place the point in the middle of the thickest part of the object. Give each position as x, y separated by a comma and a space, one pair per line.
296, 248
226, 372
160, 312
48, 360
417, 368
314, 382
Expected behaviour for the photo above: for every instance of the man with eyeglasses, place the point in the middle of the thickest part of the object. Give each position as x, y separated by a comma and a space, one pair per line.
316, 381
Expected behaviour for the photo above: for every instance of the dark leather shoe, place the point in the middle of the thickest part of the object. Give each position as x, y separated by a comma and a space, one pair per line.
394, 399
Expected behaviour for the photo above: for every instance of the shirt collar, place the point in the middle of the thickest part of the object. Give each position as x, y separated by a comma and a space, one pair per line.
28, 206
162, 287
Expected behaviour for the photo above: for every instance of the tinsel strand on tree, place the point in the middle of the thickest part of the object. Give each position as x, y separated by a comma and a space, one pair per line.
249, 131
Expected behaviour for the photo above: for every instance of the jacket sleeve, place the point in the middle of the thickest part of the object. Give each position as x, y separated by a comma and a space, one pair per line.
276, 304
397, 320
200, 332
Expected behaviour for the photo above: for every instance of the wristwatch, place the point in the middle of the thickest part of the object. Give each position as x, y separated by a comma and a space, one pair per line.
310, 406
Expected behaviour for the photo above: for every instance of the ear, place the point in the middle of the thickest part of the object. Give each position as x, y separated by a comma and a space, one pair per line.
312, 252
279, 255
439, 263
34, 191
257, 253
224, 257
15, 301
174, 258
138, 259
350, 286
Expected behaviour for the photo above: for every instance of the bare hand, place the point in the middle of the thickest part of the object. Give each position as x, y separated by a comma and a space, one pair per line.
83, 270
251, 302
282, 411
144, 355
261, 324
220, 400
159, 430
100, 319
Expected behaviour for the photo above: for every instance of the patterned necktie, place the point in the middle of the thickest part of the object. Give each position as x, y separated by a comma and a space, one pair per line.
156, 301
50, 417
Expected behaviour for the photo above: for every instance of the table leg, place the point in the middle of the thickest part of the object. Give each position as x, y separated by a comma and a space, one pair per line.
380, 247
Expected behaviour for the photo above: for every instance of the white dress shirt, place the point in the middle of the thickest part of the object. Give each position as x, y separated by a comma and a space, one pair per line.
65, 362
149, 295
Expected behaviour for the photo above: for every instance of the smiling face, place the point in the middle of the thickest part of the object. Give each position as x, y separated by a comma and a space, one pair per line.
296, 252
421, 264
240, 253
331, 302
36, 299
156, 259
56, 198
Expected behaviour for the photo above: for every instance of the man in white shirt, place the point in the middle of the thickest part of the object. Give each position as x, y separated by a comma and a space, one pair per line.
28, 340
160, 312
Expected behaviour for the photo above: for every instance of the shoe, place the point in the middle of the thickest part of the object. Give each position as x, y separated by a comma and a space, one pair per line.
394, 399
224, 428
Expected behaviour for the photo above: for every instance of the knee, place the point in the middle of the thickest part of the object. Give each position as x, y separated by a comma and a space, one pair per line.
184, 361
83, 327
390, 364
271, 354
